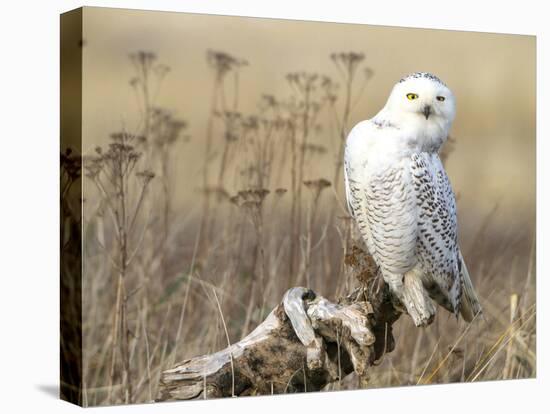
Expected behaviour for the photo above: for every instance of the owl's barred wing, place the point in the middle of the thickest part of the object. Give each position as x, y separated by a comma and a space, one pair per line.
437, 246
385, 211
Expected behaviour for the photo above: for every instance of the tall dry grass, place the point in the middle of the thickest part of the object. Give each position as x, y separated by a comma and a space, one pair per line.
162, 284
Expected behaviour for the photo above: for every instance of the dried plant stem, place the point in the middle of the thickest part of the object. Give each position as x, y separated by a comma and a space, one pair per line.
125, 330
227, 142
223, 164
262, 259
116, 166
259, 269
123, 250
510, 338
146, 98
147, 353
206, 168
186, 295
228, 343
293, 208
343, 131
301, 162
165, 212
311, 213
114, 335
249, 308
509, 363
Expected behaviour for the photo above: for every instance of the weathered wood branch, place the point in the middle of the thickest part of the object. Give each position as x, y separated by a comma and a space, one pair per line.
304, 344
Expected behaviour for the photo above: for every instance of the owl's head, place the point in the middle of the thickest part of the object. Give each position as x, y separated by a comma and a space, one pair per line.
424, 98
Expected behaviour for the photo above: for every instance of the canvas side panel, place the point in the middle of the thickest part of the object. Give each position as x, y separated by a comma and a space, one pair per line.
71, 207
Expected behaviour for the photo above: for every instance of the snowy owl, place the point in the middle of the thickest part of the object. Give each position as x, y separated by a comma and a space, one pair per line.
401, 199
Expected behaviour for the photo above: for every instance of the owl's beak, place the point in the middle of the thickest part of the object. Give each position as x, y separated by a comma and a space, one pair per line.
427, 111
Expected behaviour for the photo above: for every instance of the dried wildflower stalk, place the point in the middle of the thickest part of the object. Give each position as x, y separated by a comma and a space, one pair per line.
316, 187
222, 64
252, 202
164, 132
112, 171
161, 130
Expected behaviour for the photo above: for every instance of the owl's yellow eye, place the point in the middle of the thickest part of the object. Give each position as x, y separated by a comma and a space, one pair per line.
411, 96
440, 98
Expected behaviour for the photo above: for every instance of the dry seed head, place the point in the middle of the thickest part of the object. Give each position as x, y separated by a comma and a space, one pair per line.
314, 148
347, 62
143, 58
223, 62
268, 101
250, 198
318, 185
71, 164
146, 176
249, 124
93, 166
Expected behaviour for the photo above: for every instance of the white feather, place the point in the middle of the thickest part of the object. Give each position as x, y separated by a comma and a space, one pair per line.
399, 194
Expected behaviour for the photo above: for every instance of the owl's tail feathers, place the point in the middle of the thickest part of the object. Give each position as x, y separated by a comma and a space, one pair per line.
469, 304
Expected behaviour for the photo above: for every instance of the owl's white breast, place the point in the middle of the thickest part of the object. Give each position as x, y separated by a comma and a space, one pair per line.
385, 141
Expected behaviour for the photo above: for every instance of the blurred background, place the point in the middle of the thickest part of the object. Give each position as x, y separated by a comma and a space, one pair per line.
212, 152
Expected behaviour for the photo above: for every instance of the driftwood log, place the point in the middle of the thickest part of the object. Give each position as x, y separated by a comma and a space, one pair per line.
304, 344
